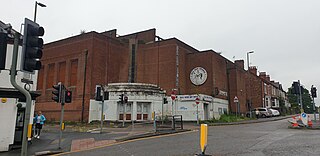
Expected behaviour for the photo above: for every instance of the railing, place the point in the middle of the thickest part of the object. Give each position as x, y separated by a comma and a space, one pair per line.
168, 123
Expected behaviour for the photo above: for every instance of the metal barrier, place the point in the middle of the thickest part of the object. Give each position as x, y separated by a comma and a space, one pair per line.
168, 123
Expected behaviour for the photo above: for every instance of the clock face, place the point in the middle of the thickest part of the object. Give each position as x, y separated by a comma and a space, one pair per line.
198, 76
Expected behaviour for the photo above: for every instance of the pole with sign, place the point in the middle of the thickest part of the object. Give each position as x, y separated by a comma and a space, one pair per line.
173, 97
197, 103
236, 101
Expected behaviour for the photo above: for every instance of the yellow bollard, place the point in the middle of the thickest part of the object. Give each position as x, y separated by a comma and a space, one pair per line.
153, 115
62, 126
203, 137
29, 130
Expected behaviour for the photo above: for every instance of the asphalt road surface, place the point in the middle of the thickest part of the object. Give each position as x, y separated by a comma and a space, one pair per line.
258, 139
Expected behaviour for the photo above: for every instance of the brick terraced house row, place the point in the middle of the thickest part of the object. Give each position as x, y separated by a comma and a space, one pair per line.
83, 61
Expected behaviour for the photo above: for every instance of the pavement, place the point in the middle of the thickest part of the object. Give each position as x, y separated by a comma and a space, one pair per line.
82, 137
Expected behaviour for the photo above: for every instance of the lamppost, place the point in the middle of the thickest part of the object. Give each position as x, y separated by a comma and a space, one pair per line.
35, 9
248, 62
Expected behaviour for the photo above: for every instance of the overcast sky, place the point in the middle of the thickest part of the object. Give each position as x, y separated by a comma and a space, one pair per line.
284, 34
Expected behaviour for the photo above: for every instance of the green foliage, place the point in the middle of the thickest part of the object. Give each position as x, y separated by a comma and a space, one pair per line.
225, 118
306, 101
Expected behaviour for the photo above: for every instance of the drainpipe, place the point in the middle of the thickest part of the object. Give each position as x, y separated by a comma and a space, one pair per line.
228, 84
84, 83
177, 69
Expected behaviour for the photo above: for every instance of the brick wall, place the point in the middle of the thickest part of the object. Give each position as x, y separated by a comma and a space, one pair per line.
109, 61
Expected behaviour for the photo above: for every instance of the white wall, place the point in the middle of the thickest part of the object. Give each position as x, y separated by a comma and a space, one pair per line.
7, 118
187, 107
8, 110
111, 106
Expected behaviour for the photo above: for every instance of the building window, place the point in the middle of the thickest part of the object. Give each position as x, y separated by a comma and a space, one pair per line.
125, 111
220, 111
62, 72
50, 75
40, 78
143, 110
273, 102
74, 73
225, 111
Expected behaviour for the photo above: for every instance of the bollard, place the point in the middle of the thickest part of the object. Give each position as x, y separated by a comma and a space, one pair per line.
203, 139
29, 130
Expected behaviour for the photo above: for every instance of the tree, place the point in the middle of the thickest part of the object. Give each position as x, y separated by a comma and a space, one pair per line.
306, 101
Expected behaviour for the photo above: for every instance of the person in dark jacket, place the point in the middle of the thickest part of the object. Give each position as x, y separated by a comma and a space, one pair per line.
39, 120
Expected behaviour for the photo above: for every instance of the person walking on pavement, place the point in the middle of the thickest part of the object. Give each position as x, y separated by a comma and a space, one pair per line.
39, 119
257, 113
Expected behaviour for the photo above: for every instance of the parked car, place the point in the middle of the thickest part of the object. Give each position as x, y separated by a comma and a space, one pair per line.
262, 112
274, 112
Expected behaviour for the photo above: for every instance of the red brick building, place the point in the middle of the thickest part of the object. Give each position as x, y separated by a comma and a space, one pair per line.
83, 61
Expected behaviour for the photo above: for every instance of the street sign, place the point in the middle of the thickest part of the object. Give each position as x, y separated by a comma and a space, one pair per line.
304, 118
197, 100
173, 95
235, 100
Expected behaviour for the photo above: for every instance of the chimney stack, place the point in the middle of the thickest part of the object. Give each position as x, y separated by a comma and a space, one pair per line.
253, 70
239, 63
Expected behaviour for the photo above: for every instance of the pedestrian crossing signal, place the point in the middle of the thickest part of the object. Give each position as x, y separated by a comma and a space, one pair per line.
68, 96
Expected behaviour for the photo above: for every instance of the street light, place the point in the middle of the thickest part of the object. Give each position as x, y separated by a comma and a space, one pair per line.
250, 52
248, 62
35, 9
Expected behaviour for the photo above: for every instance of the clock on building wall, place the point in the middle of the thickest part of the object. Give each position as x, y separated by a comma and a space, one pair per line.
198, 76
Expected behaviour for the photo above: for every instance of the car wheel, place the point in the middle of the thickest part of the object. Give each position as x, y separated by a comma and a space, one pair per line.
263, 115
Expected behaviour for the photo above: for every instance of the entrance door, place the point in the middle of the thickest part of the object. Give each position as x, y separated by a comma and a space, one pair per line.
18, 134
143, 111
206, 111
125, 111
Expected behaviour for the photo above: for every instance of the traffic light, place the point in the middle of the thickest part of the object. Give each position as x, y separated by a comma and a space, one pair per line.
3, 50
32, 46
295, 88
106, 95
121, 98
314, 92
57, 92
98, 96
125, 99
68, 96
165, 101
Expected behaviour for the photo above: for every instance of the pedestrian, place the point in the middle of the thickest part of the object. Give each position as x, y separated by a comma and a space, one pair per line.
39, 119
257, 113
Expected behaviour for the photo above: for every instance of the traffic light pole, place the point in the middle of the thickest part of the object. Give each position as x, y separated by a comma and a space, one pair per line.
300, 96
314, 110
13, 73
102, 107
62, 113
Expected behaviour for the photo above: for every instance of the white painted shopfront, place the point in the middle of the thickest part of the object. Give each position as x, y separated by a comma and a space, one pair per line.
208, 107
143, 99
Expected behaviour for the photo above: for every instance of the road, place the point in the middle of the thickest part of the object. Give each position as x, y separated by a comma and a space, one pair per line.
268, 138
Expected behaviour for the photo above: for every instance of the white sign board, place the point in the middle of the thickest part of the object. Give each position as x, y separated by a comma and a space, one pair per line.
235, 100
304, 118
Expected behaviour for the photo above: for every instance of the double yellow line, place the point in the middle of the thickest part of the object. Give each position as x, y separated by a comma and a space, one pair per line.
117, 143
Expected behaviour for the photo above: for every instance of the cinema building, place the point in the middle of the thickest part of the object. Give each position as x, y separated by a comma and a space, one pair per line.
142, 59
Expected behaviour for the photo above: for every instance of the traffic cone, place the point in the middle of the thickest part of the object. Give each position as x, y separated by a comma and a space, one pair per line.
309, 121
294, 123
